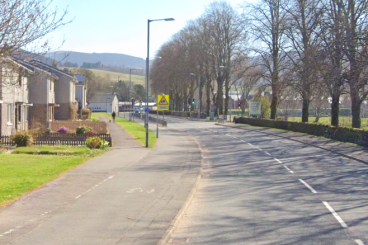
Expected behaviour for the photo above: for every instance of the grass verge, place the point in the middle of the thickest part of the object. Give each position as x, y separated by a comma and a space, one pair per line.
58, 150
136, 130
23, 173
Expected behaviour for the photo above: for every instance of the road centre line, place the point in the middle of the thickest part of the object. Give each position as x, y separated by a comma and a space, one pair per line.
308, 186
277, 160
359, 242
343, 224
95, 186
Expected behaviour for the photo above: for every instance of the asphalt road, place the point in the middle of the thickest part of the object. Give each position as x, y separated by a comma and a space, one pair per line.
262, 189
129, 195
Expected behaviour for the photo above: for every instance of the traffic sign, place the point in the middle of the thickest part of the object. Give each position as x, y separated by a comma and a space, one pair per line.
163, 102
146, 110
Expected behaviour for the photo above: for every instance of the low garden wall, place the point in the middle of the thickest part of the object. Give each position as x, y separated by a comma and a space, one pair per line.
98, 127
351, 135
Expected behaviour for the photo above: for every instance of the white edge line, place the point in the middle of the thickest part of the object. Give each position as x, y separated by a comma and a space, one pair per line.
308, 186
277, 160
359, 242
343, 224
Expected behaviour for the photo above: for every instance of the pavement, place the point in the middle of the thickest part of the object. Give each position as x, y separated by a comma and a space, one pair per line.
129, 195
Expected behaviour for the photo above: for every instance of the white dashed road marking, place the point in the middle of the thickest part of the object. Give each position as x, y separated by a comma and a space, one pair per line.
359, 242
267, 153
335, 215
308, 186
277, 160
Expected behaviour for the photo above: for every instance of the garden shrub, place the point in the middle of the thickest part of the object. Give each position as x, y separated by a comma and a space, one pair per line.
23, 138
83, 129
63, 130
93, 142
90, 134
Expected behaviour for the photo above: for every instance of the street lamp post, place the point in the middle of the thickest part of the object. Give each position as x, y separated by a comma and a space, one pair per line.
229, 98
130, 90
199, 95
147, 71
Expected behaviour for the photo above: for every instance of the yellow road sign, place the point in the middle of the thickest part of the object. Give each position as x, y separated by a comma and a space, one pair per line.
163, 102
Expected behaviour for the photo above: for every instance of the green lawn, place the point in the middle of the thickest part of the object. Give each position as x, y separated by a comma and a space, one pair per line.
54, 150
343, 121
22, 173
136, 130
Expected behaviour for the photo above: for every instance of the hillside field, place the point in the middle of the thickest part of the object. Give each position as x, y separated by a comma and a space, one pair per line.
114, 76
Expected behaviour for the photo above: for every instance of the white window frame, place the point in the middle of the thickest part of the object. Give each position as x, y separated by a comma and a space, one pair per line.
10, 114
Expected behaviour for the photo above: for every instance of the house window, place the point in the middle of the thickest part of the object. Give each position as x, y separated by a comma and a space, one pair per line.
19, 113
20, 79
10, 108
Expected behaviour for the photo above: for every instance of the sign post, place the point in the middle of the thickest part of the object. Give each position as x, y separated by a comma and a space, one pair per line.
255, 108
162, 105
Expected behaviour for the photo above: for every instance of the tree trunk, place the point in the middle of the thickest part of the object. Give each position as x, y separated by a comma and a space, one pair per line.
318, 114
335, 107
355, 107
208, 99
220, 100
305, 109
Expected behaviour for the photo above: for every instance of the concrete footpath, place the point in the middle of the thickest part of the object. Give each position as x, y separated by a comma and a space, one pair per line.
352, 151
129, 195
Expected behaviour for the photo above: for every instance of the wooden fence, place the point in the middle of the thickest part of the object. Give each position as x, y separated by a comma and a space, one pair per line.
58, 139
98, 127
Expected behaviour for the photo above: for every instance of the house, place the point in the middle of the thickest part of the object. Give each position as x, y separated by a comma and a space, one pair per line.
41, 95
13, 96
64, 92
81, 91
104, 102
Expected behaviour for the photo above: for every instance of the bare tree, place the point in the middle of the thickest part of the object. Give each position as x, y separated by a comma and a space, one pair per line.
302, 28
268, 24
23, 22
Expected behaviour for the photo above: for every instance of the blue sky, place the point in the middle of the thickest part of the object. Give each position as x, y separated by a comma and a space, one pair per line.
120, 26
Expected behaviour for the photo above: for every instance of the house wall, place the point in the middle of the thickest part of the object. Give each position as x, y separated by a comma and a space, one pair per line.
98, 106
14, 92
6, 128
79, 95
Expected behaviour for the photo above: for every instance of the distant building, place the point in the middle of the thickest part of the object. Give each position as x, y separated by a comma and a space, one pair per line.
13, 96
81, 91
104, 103
64, 92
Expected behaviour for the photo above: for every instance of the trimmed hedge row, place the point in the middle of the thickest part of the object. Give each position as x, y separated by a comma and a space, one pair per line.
351, 135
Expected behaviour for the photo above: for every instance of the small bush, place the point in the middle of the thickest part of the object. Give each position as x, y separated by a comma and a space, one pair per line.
83, 129
24, 138
48, 131
94, 142
86, 113
63, 130
89, 134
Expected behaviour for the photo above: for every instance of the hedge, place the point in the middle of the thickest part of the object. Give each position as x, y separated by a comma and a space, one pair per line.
351, 135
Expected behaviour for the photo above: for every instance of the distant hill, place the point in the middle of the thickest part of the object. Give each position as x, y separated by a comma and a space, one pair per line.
107, 59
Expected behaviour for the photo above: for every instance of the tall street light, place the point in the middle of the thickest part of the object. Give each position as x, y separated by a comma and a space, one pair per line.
130, 90
147, 70
199, 94
229, 98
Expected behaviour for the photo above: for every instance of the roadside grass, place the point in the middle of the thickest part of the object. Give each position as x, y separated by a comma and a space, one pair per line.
136, 130
20, 174
343, 121
95, 119
58, 150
